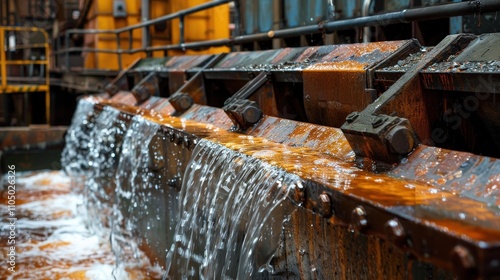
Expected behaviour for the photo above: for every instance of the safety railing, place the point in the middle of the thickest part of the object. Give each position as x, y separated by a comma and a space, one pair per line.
24, 62
408, 15
66, 35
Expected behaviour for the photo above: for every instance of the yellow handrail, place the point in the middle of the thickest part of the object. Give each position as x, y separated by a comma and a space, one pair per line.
7, 85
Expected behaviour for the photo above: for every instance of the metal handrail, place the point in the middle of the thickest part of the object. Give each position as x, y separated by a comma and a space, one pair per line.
5, 87
407, 15
179, 14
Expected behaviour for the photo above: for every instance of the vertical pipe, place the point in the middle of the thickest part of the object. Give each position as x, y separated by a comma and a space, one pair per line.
331, 10
237, 18
265, 21
248, 17
145, 30
365, 10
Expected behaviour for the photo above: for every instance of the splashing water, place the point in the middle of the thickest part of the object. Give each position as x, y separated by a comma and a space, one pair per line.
51, 240
104, 150
74, 157
133, 179
232, 208
225, 223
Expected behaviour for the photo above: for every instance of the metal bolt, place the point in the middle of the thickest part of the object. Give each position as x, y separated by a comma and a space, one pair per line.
463, 262
185, 102
358, 218
325, 205
396, 233
251, 115
193, 144
352, 117
181, 101
400, 139
378, 121
111, 89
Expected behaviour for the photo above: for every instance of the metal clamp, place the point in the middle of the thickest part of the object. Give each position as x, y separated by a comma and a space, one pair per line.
120, 81
243, 112
385, 138
192, 91
146, 88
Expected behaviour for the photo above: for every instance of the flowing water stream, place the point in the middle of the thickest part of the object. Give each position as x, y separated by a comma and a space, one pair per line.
130, 193
134, 182
232, 208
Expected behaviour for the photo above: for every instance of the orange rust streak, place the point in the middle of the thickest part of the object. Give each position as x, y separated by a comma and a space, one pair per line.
344, 177
345, 65
343, 52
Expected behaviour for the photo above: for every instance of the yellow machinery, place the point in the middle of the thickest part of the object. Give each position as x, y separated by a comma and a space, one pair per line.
204, 25
15, 57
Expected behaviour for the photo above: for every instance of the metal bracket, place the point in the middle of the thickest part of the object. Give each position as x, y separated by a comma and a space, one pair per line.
386, 138
193, 90
374, 135
120, 82
181, 102
243, 112
146, 88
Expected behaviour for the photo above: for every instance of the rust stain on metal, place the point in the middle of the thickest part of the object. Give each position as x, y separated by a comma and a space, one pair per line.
334, 90
335, 86
422, 201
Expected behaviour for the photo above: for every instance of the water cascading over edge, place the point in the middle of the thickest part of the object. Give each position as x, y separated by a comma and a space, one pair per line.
232, 209
135, 181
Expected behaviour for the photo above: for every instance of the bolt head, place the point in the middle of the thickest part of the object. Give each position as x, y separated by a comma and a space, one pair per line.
251, 115
325, 205
378, 121
358, 218
395, 232
400, 139
185, 102
352, 117
463, 262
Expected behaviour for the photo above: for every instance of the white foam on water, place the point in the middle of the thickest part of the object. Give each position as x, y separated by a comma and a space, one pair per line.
52, 241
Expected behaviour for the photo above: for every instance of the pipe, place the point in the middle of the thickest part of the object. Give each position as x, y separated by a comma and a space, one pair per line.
144, 18
331, 10
365, 10
177, 14
404, 16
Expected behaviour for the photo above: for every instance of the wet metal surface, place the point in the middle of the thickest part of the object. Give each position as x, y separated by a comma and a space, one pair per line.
436, 206
336, 85
405, 99
413, 215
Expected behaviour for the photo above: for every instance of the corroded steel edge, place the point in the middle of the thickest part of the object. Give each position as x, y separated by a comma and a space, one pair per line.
414, 236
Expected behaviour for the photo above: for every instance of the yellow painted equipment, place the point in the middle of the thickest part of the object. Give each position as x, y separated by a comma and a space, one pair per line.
13, 82
204, 25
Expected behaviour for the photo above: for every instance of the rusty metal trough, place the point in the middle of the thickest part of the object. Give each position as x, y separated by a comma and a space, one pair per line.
362, 125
